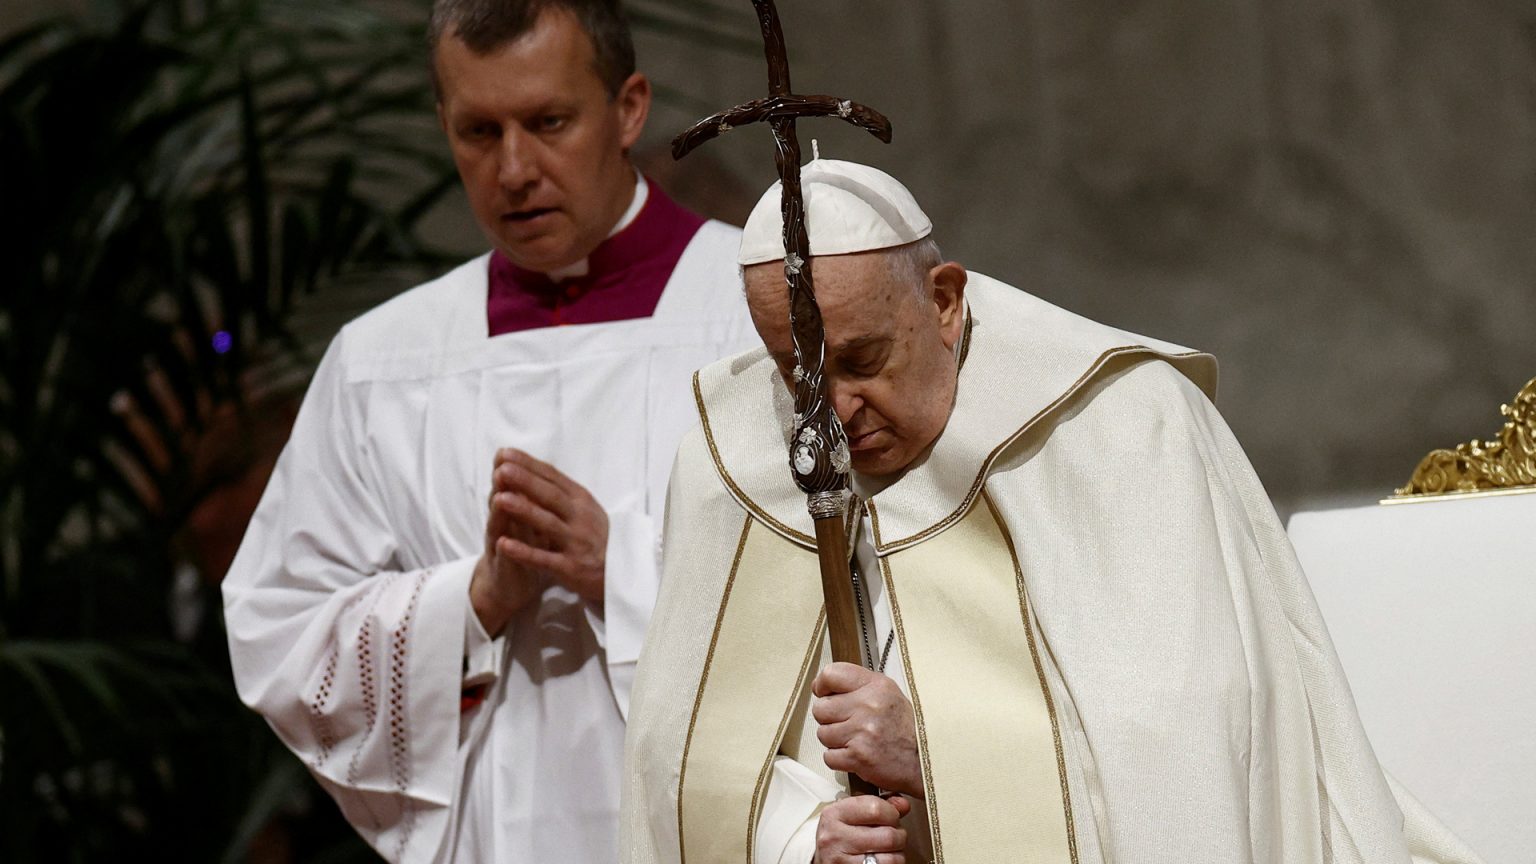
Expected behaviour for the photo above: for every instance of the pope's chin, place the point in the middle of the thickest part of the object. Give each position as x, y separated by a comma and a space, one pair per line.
878, 458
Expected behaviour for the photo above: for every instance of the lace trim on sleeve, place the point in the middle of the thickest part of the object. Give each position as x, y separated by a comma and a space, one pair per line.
320, 718
325, 734
399, 725
367, 680
382, 653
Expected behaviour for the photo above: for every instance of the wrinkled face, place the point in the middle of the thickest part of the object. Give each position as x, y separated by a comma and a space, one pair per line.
540, 144
891, 335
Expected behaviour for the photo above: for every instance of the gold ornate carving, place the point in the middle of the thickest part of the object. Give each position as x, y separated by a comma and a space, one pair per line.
1480, 466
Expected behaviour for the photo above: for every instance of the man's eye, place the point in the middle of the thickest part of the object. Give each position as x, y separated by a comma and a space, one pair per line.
479, 131
550, 123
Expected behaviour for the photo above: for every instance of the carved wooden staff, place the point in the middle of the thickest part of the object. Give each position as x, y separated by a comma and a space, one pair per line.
818, 451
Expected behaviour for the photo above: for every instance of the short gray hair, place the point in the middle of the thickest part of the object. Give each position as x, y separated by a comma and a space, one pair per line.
914, 260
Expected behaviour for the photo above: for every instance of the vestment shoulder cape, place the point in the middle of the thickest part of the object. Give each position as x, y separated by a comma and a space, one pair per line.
1112, 653
347, 605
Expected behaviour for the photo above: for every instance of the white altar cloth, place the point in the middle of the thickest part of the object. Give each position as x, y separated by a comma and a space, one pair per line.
1432, 607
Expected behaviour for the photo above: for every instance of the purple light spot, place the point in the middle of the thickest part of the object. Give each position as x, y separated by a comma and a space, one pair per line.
222, 342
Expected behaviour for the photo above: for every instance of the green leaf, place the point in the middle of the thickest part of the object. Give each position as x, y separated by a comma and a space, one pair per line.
298, 231
82, 662
258, 203
275, 789
42, 692
23, 39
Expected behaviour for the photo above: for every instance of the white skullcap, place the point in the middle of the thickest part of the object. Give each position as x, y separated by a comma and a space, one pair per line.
848, 208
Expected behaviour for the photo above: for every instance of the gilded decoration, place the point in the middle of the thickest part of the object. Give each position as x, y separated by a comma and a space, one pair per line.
1506, 463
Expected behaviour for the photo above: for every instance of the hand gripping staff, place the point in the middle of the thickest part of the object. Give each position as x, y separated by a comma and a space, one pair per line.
818, 450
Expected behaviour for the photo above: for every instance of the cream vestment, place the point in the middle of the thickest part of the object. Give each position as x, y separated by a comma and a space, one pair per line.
1111, 652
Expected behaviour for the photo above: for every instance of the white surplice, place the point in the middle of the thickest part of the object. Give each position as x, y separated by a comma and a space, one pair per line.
347, 607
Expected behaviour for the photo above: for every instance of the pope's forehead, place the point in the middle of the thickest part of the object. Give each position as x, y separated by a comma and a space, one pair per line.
839, 279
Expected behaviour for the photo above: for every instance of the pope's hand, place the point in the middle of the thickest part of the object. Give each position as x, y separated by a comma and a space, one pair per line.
543, 527
867, 726
862, 825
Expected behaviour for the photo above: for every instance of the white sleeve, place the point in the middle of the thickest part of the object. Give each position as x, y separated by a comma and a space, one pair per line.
631, 580
481, 652
792, 805
354, 661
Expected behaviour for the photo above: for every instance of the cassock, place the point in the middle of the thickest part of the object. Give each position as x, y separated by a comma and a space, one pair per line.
1110, 650
348, 612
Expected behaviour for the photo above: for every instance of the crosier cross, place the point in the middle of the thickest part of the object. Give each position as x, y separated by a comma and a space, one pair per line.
818, 449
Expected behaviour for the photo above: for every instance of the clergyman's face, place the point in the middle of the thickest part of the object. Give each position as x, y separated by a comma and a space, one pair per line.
540, 144
891, 335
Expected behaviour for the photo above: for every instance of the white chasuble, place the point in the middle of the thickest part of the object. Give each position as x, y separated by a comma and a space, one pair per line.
1109, 648
347, 607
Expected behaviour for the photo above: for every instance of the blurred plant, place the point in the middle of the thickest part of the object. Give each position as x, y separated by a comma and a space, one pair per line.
175, 177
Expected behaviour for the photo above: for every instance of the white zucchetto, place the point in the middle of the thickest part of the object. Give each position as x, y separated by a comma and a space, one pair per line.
848, 208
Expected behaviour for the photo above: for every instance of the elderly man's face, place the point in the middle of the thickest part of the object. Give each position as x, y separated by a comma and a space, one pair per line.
891, 335
540, 144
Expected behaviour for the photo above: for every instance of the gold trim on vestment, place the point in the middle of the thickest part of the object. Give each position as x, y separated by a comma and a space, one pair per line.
698, 698
812, 654
741, 495
988, 736
1030, 358
881, 546
753, 674
730, 484
1045, 688
930, 797
959, 512
989, 742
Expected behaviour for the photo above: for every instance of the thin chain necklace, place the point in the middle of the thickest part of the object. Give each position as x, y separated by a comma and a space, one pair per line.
869, 645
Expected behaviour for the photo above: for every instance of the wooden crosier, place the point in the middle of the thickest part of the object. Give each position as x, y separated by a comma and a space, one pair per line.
818, 449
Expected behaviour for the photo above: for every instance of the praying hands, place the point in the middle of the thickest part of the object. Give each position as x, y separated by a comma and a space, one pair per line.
543, 527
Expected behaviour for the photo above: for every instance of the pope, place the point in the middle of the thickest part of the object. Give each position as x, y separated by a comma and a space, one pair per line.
1085, 635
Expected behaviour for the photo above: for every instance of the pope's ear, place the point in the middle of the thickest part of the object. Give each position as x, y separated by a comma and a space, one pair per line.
948, 280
